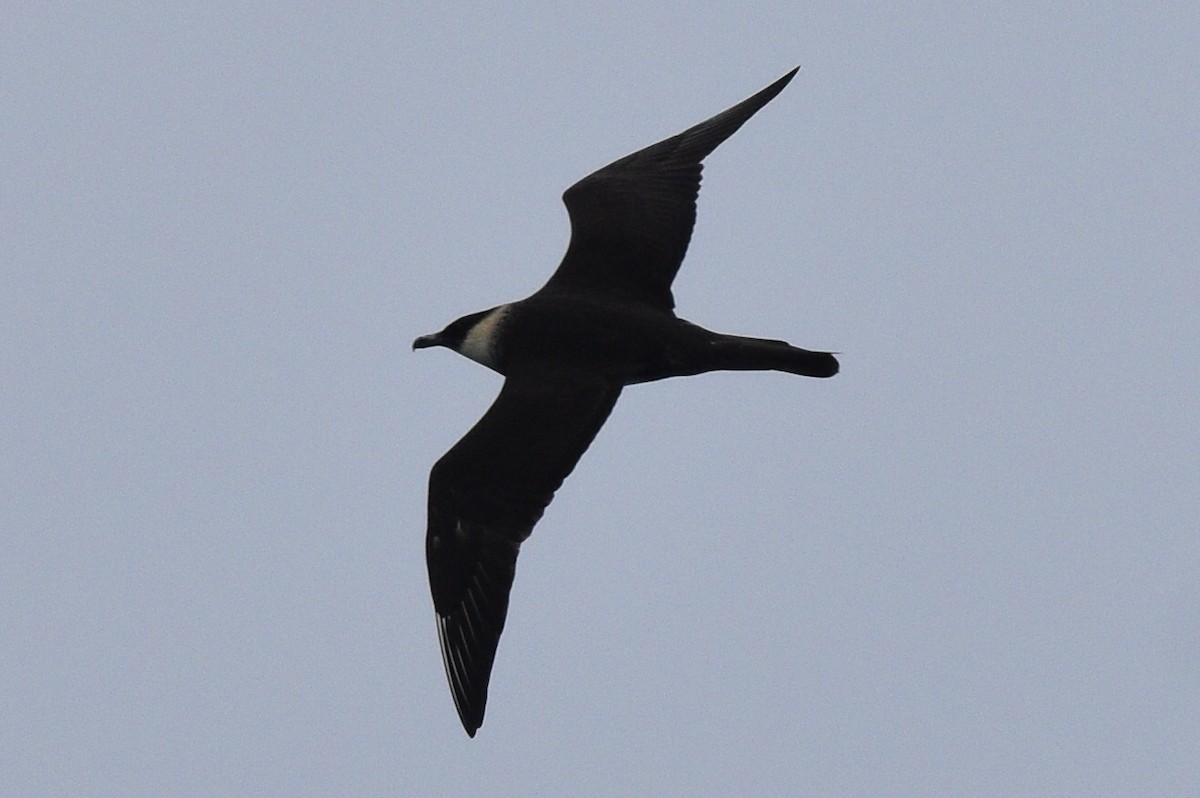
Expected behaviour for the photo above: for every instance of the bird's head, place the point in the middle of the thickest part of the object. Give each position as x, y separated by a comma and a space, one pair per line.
473, 336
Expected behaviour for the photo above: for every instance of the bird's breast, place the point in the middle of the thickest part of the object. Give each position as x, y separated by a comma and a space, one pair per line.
613, 341
481, 341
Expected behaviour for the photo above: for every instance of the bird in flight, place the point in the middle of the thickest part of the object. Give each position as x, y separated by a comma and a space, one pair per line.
604, 320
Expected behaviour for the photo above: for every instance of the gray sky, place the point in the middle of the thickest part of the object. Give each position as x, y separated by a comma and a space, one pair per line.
966, 566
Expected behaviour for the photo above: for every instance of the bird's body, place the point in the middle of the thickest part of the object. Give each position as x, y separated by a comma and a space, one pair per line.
604, 320
568, 334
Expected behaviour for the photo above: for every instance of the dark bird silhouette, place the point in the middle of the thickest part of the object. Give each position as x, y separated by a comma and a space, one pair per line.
603, 321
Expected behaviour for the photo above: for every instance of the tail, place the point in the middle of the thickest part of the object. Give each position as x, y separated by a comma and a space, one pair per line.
736, 353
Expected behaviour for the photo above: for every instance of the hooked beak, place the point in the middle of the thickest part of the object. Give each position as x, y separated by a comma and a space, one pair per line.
426, 341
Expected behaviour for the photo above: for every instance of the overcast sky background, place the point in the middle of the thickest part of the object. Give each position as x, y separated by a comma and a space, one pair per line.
967, 565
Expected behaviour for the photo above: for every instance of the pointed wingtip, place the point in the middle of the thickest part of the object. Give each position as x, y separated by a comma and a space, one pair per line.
472, 717
751, 105
786, 79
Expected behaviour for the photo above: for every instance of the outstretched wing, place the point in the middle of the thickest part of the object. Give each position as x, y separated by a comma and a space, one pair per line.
632, 220
485, 495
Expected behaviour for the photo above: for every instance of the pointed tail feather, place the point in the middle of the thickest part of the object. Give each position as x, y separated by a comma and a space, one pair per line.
736, 353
